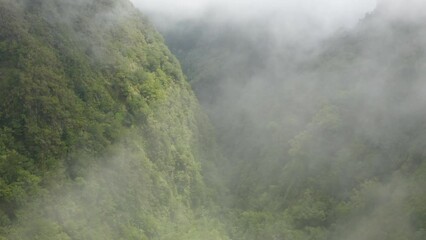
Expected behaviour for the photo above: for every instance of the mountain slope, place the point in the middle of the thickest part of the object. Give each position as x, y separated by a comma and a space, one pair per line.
322, 143
100, 135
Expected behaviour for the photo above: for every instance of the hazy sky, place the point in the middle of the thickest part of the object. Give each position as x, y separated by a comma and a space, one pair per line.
413, 10
328, 13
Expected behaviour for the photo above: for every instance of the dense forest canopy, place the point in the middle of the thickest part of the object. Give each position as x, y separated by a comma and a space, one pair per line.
322, 141
290, 135
101, 136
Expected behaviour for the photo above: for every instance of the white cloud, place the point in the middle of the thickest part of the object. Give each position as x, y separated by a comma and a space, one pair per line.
326, 13
408, 9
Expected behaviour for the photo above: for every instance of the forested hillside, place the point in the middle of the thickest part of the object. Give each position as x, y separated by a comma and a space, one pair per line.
321, 142
101, 136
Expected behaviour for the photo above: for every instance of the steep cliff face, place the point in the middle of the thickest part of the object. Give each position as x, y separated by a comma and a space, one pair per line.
100, 135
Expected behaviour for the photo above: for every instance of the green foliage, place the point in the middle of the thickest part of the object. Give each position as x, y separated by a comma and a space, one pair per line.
99, 132
102, 138
324, 145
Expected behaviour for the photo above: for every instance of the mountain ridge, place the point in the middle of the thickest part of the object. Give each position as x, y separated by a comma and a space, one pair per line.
101, 136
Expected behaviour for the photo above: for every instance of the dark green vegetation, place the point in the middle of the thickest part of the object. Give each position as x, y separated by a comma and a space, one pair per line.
321, 144
101, 136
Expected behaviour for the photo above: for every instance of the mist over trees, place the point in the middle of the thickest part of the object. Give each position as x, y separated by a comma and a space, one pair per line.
101, 137
323, 138
286, 122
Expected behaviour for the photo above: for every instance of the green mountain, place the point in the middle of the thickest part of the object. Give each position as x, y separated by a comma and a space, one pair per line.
325, 142
101, 136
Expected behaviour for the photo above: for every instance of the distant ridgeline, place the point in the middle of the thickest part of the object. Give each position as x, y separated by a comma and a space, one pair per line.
101, 136
322, 144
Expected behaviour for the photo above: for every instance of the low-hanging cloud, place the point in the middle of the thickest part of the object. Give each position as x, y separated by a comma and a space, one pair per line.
327, 15
410, 10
